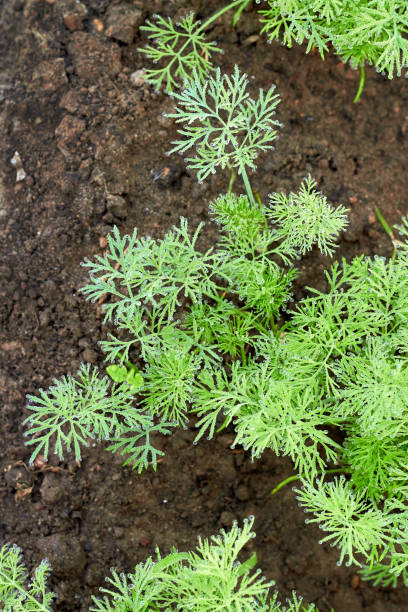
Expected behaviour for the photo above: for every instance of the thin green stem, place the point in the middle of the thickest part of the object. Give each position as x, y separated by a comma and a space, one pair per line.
275, 328
297, 477
232, 178
360, 85
384, 223
258, 198
238, 13
243, 355
248, 186
387, 230
225, 9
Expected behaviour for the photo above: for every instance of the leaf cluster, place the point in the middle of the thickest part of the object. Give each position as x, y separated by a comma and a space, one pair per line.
207, 579
223, 123
181, 49
15, 594
178, 48
350, 342
75, 410
324, 382
361, 31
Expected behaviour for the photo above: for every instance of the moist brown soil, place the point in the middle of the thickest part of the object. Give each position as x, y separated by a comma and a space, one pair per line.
92, 139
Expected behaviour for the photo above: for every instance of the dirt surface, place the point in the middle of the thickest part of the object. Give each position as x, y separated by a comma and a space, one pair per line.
91, 136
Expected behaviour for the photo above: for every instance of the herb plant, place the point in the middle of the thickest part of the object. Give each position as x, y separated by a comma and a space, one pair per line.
225, 125
324, 382
373, 32
15, 595
360, 31
182, 47
208, 579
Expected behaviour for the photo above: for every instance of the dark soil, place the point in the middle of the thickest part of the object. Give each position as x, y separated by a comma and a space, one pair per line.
91, 139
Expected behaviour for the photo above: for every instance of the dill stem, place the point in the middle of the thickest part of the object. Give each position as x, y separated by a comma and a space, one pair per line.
232, 178
248, 186
387, 230
360, 85
225, 9
286, 481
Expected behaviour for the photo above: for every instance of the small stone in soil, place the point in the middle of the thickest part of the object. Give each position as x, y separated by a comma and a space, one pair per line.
66, 555
116, 205
242, 493
51, 489
227, 518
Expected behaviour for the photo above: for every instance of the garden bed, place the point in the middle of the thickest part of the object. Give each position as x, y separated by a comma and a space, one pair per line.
92, 139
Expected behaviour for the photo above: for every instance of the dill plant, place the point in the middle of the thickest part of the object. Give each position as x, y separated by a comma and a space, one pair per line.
373, 32
15, 594
324, 382
209, 578
362, 32
179, 48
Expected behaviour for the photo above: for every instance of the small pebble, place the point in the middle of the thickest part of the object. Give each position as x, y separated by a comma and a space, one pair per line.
227, 518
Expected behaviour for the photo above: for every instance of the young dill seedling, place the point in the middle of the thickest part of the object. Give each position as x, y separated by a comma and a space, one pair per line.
210, 577
15, 595
360, 31
326, 384
203, 580
182, 48
224, 124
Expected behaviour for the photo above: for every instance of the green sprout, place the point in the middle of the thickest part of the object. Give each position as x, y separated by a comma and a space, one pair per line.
362, 32
225, 125
15, 595
323, 382
131, 375
181, 48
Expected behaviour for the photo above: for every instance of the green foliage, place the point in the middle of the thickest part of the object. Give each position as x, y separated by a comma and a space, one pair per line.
224, 326
373, 32
261, 284
372, 456
361, 31
355, 526
140, 455
324, 382
121, 374
15, 596
179, 48
245, 224
169, 380
225, 125
157, 273
375, 385
305, 219
266, 414
208, 579
75, 410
